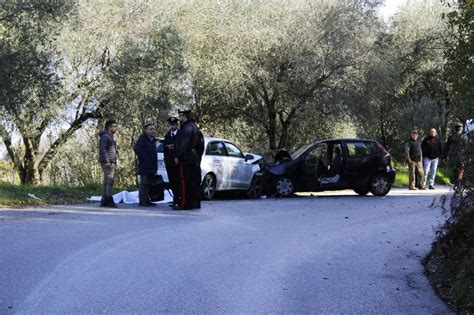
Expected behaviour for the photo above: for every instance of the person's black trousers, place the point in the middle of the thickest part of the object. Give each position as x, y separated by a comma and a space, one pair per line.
174, 180
144, 188
190, 186
196, 189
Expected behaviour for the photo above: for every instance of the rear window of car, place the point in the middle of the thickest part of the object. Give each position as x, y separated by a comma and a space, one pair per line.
377, 148
355, 149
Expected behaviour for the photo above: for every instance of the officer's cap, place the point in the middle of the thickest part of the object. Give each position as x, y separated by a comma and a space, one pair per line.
172, 120
184, 111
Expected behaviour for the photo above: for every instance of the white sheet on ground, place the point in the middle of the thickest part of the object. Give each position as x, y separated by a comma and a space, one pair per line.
131, 197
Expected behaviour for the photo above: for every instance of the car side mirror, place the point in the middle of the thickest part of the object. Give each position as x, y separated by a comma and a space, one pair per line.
249, 157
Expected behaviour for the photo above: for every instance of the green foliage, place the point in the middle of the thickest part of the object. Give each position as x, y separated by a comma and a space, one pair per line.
29, 83
260, 64
403, 85
464, 285
17, 195
460, 59
450, 262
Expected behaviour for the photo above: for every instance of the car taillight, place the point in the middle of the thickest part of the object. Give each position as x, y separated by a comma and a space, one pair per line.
388, 158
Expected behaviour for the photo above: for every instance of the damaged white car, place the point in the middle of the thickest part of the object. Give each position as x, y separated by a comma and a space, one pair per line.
223, 168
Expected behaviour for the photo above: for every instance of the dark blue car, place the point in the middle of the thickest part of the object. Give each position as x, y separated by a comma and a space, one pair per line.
362, 165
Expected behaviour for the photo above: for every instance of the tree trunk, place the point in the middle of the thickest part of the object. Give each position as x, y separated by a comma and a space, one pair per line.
30, 174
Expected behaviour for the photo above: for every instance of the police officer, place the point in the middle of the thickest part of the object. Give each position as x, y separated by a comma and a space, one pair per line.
454, 152
188, 160
170, 146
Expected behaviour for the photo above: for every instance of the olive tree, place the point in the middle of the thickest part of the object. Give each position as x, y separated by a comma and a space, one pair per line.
269, 63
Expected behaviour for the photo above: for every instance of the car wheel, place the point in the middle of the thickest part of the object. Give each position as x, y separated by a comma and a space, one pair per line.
361, 191
284, 187
256, 188
208, 187
379, 185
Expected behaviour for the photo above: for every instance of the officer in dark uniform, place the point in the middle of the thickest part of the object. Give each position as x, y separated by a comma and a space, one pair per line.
454, 152
188, 161
170, 145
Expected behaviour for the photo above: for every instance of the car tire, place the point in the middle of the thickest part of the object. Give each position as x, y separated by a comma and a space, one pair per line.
208, 187
361, 191
379, 185
284, 187
256, 188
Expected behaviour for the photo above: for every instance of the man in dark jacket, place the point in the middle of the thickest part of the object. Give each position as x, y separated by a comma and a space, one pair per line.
431, 148
188, 160
169, 152
146, 150
413, 156
454, 152
108, 161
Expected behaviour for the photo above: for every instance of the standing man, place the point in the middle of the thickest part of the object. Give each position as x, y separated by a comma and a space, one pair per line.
431, 148
146, 150
413, 156
169, 152
453, 152
187, 160
108, 161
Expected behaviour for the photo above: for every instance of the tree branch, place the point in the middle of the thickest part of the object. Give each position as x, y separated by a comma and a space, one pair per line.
5, 137
75, 125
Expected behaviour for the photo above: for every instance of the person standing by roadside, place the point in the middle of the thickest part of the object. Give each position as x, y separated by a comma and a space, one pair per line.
187, 159
432, 149
169, 152
453, 152
108, 161
146, 150
413, 156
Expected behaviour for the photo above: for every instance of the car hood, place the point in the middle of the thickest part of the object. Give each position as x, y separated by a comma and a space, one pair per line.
256, 158
281, 168
276, 161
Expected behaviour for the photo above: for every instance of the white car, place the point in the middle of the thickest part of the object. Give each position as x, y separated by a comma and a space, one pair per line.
223, 168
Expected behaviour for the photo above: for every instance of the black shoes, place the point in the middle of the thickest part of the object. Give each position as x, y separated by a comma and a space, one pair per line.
177, 208
431, 187
108, 203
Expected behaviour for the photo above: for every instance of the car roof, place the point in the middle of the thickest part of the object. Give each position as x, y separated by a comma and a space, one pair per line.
344, 139
206, 139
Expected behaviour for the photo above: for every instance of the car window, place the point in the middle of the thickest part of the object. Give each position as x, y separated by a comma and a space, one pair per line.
377, 148
355, 149
216, 148
233, 151
296, 154
318, 153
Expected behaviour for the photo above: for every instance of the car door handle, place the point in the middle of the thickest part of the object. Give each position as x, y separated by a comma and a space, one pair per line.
217, 163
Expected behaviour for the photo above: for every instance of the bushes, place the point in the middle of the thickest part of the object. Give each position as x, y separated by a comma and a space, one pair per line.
450, 265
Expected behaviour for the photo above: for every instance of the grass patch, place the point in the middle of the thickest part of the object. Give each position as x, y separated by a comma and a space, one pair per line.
402, 178
18, 195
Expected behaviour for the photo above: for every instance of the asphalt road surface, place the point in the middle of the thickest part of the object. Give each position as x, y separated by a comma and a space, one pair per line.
322, 253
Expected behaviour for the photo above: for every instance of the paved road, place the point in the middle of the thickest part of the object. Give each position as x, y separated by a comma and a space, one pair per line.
327, 253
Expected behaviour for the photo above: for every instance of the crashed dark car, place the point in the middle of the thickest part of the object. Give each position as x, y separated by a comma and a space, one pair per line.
359, 164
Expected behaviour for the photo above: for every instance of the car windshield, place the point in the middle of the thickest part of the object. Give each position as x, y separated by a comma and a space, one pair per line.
297, 153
